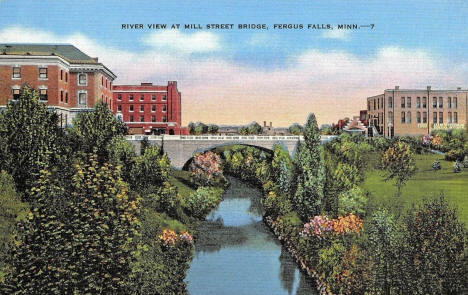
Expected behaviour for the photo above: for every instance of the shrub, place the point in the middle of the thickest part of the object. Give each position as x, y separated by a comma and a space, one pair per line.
436, 165
456, 167
454, 155
201, 202
206, 169
352, 201
276, 204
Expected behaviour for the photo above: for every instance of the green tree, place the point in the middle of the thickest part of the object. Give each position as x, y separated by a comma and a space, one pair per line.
383, 249
254, 128
122, 153
84, 250
12, 210
31, 139
212, 128
435, 249
398, 160
309, 172
95, 129
282, 167
296, 129
150, 170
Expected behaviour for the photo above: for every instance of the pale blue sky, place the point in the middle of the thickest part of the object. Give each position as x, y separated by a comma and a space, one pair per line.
434, 32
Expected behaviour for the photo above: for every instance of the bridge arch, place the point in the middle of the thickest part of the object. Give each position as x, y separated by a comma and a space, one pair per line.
180, 148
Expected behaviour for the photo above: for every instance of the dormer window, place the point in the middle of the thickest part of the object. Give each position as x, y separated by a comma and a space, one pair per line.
82, 79
16, 73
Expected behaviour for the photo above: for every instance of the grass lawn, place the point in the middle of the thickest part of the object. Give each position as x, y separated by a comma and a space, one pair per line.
181, 179
425, 183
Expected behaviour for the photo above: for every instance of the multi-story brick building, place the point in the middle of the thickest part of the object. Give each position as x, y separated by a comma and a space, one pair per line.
67, 79
148, 108
417, 112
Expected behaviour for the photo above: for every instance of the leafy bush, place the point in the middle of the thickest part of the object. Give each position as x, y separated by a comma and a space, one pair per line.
352, 201
276, 204
436, 165
201, 202
454, 155
206, 169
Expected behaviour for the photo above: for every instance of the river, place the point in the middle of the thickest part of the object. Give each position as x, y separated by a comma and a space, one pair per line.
236, 253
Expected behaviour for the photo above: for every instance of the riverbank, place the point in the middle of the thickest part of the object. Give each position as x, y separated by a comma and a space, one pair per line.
322, 287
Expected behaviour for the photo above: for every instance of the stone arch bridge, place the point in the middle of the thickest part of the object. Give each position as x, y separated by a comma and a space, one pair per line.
180, 148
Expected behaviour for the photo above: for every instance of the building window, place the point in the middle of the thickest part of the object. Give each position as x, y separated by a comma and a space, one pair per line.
142, 97
381, 102
66, 77
378, 103
119, 96
434, 117
402, 102
130, 108
66, 97
163, 98
42, 73
82, 79
408, 118
374, 104
82, 99
119, 108
130, 97
368, 106
424, 102
61, 95
142, 108
441, 102
449, 117
390, 117
153, 119
441, 117
390, 102
16, 94
449, 102
164, 118
131, 118
61, 74
434, 102
455, 117
418, 102
403, 119
43, 94
418, 117
153, 97
153, 108
455, 102
16, 73
142, 119
424, 117
408, 102
164, 108
102, 80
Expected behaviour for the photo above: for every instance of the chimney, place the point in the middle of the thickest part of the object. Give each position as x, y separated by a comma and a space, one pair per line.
264, 123
397, 87
428, 88
95, 59
271, 125
146, 84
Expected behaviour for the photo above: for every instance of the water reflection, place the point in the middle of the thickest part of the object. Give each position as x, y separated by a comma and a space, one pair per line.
235, 252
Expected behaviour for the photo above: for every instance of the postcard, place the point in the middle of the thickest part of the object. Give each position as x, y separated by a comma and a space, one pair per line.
233, 147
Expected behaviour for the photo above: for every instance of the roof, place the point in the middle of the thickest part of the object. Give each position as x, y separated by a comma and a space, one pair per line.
66, 51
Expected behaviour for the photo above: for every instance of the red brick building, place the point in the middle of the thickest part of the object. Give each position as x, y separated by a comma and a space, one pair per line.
148, 108
68, 80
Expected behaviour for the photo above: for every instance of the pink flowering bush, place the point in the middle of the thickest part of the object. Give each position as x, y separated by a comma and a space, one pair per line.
206, 169
319, 226
171, 238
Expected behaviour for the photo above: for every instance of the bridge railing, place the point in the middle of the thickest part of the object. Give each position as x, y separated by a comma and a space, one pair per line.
324, 138
213, 137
